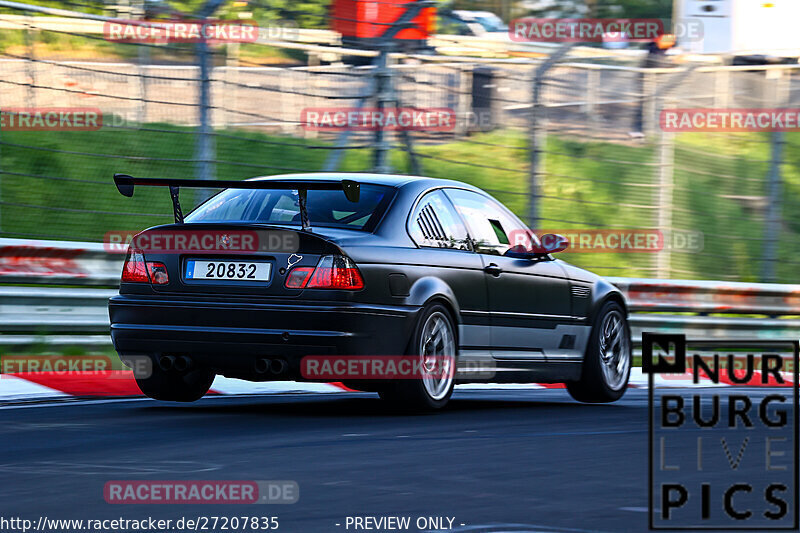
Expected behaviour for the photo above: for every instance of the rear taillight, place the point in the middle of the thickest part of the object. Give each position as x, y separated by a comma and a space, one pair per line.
158, 273
298, 277
332, 272
137, 270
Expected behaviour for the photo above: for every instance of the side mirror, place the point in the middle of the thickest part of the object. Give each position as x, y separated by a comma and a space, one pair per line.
549, 243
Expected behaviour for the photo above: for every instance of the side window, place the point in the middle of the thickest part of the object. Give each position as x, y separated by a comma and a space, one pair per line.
434, 224
493, 228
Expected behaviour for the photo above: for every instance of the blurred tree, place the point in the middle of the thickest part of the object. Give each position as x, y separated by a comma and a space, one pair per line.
306, 13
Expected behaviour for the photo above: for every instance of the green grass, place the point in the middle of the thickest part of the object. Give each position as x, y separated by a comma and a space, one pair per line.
587, 184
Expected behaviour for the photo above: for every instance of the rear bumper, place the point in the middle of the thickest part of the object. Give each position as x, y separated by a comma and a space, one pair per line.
229, 334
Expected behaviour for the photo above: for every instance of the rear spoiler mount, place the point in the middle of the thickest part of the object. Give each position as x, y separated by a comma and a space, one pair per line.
126, 184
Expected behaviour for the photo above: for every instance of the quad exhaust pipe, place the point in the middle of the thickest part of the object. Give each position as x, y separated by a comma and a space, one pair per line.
277, 366
182, 363
273, 366
166, 362
179, 363
262, 365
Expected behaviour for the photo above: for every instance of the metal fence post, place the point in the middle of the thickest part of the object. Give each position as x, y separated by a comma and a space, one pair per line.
463, 101
383, 96
386, 95
536, 137
144, 60
335, 157
536, 142
649, 103
772, 226
592, 91
781, 95
204, 148
385, 92
665, 157
31, 63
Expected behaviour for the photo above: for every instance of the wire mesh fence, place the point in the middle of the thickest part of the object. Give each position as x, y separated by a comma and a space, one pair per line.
590, 154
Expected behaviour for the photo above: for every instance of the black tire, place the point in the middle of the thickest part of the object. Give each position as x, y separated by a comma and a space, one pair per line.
599, 382
172, 386
412, 395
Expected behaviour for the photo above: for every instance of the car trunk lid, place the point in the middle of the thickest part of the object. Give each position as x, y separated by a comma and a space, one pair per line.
226, 258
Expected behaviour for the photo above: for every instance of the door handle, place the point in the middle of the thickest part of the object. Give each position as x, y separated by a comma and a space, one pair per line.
493, 270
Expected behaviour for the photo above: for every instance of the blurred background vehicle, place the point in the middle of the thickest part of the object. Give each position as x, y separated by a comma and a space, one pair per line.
477, 23
751, 32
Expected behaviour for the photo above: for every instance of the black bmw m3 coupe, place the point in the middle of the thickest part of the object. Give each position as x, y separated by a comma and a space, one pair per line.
273, 272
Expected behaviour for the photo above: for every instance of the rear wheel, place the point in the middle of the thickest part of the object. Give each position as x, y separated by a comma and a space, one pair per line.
434, 348
607, 364
175, 386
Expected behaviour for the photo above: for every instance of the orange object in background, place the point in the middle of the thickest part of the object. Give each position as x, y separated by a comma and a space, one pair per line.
362, 22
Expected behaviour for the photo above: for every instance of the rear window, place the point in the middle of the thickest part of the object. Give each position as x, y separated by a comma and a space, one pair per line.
325, 208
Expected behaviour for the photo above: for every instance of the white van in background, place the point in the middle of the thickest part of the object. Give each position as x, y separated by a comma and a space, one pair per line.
752, 31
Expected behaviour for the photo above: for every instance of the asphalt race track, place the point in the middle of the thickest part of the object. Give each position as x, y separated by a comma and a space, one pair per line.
495, 460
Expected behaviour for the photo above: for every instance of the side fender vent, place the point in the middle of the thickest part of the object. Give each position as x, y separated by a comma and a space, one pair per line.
581, 291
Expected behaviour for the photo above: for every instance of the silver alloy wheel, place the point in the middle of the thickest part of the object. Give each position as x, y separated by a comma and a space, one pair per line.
437, 352
615, 349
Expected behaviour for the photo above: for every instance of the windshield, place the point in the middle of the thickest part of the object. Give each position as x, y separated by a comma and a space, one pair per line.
274, 206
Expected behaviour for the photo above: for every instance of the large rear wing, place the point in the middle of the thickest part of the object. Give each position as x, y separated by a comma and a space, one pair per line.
126, 185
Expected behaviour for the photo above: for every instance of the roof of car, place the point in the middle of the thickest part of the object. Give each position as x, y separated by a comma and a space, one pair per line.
392, 180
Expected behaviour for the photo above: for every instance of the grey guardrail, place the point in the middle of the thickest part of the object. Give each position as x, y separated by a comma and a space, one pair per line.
54, 310
692, 296
78, 315
653, 302
25, 261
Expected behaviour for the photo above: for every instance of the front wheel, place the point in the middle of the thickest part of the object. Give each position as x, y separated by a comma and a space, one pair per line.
434, 348
607, 364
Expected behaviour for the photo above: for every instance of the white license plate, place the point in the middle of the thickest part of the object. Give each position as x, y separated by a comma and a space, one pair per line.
228, 270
